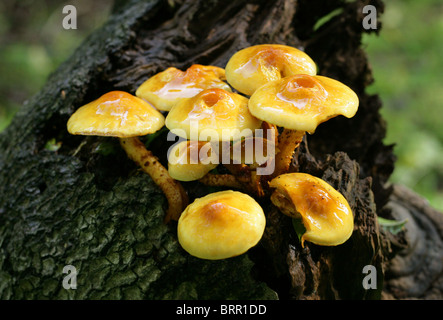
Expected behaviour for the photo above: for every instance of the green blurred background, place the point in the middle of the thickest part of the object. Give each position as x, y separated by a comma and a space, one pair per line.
406, 57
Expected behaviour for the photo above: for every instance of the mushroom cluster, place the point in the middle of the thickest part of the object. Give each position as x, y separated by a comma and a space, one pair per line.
238, 128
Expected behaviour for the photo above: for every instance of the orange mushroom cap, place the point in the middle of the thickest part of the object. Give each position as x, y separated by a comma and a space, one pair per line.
167, 88
325, 212
191, 160
302, 102
252, 67
212, 114
117, 114
221, 225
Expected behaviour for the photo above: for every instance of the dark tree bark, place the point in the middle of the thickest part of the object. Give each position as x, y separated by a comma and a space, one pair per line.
88, 205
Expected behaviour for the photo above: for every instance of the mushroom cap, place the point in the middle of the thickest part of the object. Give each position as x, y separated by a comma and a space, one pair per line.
167, 88
302, 102
213, 114
191, 160
117, 114
252, 67
221, 225
326, 214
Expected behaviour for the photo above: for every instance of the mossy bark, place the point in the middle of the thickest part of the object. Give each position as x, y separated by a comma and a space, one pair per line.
87, 205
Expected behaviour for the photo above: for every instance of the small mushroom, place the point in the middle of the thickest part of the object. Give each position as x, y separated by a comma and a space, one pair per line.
252, 67
191, 160
213, 114
116, 114
167, 88
299, 104
221, 225
324, 211
120, 114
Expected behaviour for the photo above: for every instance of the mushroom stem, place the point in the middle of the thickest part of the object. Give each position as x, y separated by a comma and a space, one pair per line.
221, 180
257, 185
246, 179
273, 132
173, 190
242, 173
289, 140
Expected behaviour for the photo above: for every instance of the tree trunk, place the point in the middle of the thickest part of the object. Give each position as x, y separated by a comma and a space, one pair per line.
87, 205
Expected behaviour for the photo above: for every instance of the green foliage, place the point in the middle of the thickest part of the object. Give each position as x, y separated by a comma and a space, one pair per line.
406, 59
52, 145
33, 43
299, 227
105, 148
392, 226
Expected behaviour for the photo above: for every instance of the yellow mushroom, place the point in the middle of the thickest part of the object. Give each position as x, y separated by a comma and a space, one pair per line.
221, 225
212, 115
252, 67
299, 104
116, 114
191, 160
325, 213
120, 114
167, 88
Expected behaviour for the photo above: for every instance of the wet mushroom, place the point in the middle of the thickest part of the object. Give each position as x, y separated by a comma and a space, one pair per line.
191, 160
167, 88
122, 115
252, 67
299, 104
324, 211
214, 115
221, 225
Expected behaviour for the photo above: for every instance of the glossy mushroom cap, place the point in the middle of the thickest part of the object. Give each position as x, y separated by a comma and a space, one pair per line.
191, 160
252, 67
325, 213
221, 225
167, 88
302, 102
213, 114
117, 114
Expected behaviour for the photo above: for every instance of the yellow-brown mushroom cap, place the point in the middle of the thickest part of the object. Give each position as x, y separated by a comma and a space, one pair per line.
302, 102
117, 114
326, 214
167, 88
191, 160
213, 114
252, 67
221, 225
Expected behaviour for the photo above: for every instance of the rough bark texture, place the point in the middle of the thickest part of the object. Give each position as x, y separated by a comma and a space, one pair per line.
89, 206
